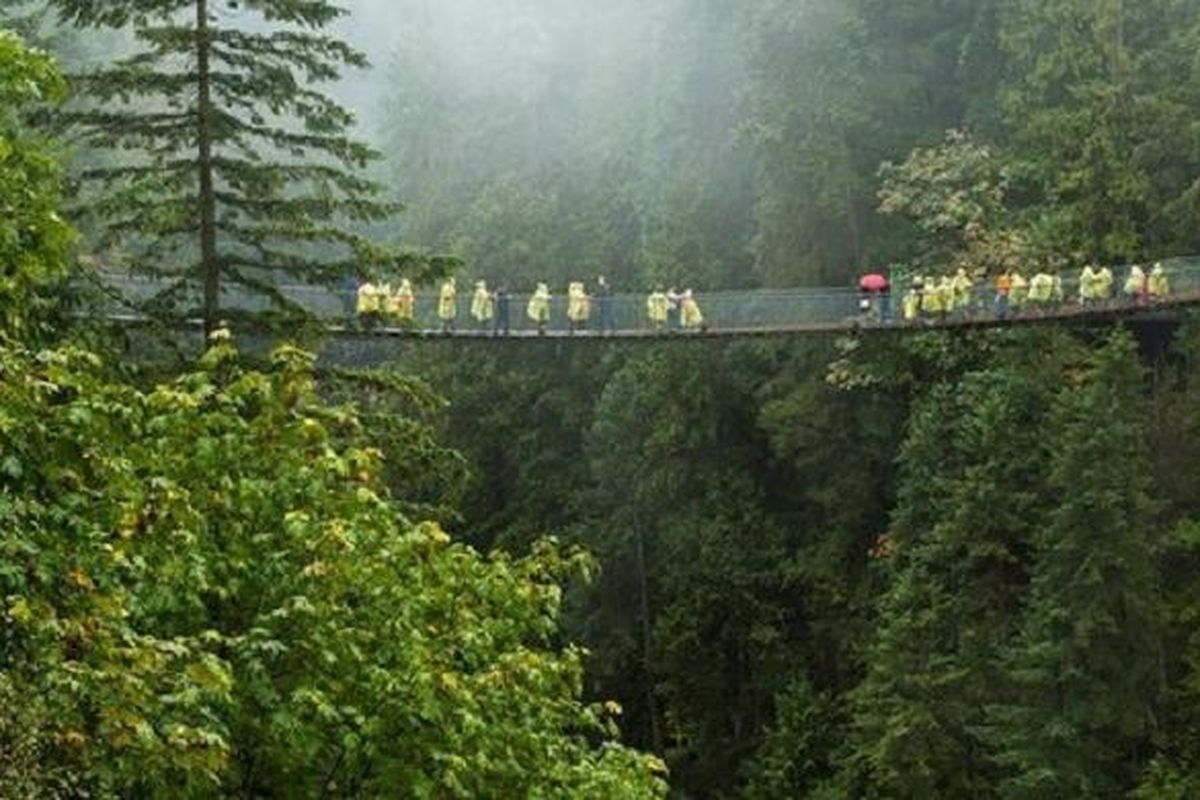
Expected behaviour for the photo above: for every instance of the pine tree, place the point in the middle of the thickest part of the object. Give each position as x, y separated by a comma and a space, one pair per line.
967, 508
232, 167
1084, 665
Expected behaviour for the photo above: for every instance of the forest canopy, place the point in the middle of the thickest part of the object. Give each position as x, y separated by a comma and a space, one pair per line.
943, 564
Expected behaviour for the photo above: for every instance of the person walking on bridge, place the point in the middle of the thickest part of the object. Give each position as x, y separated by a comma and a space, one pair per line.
1003, 290
539, 308
383, 295
689, 311
1041, 290
931, 305
398, 304
579, 307
910, 306
1089, 286
604, 305
1104, 285
658, 309
946, 297
502, 311
1136, 288
1159, 283
673, 315
448, 304
962, 287
367, 303
1020, 291
483, 308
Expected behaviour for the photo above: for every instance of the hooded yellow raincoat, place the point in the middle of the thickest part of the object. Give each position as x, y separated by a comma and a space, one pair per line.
483, 308
657, 309
689, 310
448, 301
539, 305
579, 307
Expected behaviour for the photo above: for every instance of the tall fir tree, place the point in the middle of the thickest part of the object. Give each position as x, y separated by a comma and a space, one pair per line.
232, 167
1084, 667
956, 558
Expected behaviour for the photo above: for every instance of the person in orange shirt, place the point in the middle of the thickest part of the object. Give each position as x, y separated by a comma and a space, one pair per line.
1003, 290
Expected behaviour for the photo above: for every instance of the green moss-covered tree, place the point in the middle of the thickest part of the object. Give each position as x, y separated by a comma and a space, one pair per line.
232, 168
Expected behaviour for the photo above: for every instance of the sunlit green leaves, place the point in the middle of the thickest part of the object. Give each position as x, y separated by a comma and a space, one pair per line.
34, 239
212, 575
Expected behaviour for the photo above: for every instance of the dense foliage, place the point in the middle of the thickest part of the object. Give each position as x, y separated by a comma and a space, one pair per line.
34, 239
946, 565
209, 591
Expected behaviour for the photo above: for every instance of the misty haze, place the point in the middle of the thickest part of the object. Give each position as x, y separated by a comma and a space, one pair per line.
599, 399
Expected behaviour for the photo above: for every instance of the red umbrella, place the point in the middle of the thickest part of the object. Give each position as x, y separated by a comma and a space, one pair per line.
874, 283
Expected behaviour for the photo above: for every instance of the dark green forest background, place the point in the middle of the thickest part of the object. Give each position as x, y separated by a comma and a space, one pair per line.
954, 566
951, 565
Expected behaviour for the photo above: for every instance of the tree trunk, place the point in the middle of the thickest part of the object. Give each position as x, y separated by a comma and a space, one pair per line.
209, 264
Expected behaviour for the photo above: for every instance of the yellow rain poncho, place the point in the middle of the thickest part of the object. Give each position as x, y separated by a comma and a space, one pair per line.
1160, 283
483, 307
539, 305
962, 286
689, 310
1041, 288
448, 301
1104, 284
657, 309
368, 298
1089, 284
400, 304
946, 296
1020, 289
1135, 284
579, 306
931, 298
911, 305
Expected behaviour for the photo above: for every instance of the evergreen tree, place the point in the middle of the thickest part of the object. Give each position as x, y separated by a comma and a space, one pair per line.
1099, 108
672, 450
1084, 666
235, 169
968, 505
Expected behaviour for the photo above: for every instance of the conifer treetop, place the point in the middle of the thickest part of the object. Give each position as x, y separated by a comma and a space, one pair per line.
229, 165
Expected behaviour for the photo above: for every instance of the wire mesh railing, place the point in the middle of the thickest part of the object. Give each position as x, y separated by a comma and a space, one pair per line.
750, 311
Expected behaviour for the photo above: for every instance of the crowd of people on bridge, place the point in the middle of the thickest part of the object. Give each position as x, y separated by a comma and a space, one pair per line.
959, 296
924, 299
382, 303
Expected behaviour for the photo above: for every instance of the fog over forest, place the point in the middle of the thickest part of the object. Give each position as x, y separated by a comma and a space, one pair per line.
608, 122
944, 547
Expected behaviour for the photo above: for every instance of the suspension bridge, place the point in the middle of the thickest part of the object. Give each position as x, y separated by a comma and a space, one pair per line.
727, 314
